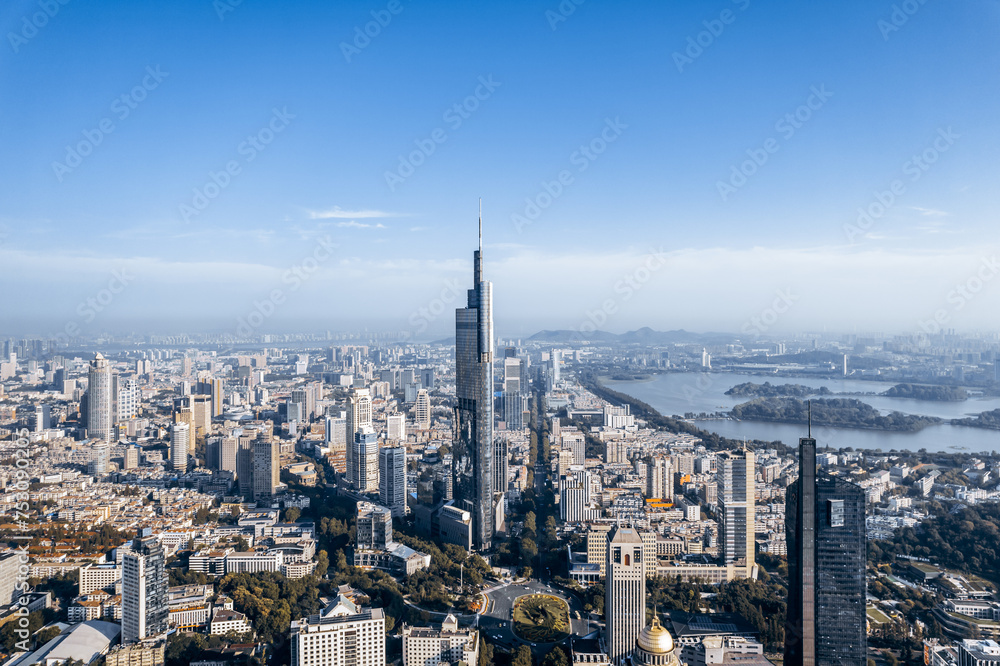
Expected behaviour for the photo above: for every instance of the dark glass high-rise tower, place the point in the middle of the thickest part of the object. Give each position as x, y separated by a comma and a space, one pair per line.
825, 531
472, 453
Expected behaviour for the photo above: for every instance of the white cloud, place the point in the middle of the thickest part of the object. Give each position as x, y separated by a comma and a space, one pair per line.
337, 213
359, 225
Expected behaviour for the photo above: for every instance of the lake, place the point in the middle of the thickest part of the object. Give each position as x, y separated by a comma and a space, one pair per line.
679, 393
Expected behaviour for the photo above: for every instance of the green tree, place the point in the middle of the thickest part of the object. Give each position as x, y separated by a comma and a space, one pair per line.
529, 522
522, 657
557, 657
322, 563
292, 514
485, 653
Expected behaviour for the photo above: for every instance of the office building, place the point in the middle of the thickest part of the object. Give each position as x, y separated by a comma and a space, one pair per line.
95, 576
472, 451
501, 465
392, 479
512, 403
144, 590
978, 652
100, 399
422, 410
343, 633
266, 467
736, 497
426, 646
625, 593
244, 463
825, 533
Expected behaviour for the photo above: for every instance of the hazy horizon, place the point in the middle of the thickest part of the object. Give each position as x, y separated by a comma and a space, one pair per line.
671, 166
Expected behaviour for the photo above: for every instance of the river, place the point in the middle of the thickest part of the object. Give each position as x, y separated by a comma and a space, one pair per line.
679, 393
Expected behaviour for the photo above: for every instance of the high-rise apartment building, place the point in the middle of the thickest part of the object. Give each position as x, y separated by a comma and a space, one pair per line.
659, 478
374, 526
266, 466
180, 438
100, 399
100, 459
422, 410
472, 451
364, 461
825, 533
395, 427
128, 399
625, 593
144, 590
392, 479
359, 415
736, 497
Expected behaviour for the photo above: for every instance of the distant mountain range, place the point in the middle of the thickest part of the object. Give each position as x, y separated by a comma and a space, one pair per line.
643, 336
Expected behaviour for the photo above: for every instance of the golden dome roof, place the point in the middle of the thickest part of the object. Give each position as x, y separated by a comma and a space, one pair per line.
655, 639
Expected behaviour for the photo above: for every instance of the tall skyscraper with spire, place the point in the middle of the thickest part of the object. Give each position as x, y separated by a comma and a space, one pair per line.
472, 453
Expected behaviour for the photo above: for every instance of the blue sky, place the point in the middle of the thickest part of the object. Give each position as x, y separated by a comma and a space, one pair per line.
890, 90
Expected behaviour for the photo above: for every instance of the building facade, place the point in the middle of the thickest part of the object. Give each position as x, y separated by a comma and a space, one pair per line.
625, 593
825, 532
472, 452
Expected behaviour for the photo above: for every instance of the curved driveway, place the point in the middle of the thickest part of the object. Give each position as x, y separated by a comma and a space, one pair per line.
495, 620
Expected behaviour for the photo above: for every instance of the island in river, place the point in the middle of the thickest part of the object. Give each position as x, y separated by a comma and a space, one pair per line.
836, 412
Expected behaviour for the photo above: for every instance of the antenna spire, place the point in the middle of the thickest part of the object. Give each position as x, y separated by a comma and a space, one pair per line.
810, 403
480, 224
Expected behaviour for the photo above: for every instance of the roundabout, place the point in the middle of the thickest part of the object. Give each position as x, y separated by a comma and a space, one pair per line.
541, 618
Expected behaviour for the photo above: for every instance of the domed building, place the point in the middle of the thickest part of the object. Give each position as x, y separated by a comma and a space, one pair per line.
655, 646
